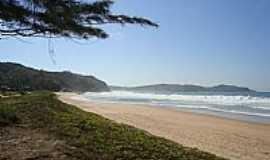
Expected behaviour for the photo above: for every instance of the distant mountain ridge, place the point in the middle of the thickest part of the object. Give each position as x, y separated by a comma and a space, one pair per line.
174, 88
15, 76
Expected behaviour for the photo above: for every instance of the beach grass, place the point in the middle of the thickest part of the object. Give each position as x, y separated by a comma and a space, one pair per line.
88, 135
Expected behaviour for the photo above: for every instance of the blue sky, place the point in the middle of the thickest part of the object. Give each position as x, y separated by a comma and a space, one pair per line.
205, 42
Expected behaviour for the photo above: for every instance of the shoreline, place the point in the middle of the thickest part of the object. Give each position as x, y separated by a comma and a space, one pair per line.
234, 139
235, 117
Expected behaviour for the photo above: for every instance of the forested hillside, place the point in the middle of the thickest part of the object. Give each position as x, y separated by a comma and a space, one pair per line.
18, 77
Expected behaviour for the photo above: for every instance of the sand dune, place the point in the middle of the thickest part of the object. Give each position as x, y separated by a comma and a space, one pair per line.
232, 139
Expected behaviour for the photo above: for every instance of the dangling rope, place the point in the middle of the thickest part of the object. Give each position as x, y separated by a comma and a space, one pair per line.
51, 50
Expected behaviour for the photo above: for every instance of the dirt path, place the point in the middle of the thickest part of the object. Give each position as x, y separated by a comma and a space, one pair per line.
18, 143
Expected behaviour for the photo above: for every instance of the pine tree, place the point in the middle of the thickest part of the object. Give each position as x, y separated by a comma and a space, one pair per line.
61, 18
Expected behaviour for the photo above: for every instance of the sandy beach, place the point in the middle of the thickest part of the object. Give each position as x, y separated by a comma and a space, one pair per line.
233, 139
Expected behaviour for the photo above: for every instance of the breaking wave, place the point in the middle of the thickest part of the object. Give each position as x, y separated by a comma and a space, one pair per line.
250, 105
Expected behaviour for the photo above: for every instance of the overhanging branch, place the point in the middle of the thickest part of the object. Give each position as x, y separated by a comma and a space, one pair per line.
66, 18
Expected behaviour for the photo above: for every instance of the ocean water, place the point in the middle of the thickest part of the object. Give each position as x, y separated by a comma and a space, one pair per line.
253, 106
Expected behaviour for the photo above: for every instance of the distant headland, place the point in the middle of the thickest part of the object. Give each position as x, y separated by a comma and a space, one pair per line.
174, 88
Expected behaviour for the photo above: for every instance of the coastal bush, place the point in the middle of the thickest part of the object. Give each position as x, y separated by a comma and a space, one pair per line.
7, 115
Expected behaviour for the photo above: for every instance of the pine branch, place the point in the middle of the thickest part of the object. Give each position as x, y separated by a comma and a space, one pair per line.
65, 18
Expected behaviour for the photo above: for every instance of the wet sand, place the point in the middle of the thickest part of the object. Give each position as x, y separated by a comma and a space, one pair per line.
237, 140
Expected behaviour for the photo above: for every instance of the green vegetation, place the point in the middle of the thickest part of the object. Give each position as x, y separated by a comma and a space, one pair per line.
7, 116
16, 77
87, 135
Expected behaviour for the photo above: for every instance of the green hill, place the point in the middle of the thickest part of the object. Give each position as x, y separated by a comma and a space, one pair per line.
18, 77
175, 88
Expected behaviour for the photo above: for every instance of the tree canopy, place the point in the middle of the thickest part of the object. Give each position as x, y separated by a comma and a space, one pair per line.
61, 18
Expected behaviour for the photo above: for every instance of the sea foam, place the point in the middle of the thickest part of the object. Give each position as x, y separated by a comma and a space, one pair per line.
250, 105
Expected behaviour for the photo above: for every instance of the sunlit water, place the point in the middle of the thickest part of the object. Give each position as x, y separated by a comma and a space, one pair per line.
254, 106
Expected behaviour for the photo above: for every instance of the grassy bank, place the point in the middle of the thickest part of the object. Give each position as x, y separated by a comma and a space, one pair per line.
82, 135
